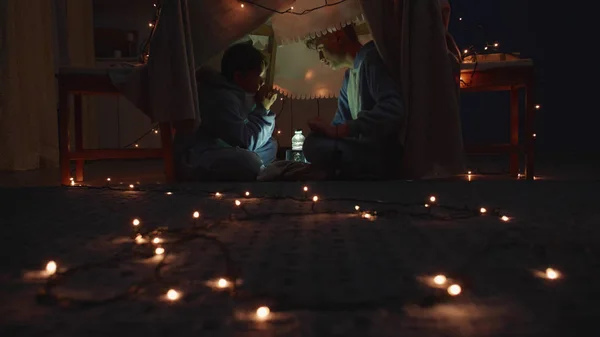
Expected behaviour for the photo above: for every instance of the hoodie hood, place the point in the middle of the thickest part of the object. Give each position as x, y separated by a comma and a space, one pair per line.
210, 80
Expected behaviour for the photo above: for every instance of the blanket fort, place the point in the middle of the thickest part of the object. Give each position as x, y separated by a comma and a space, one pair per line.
189, 33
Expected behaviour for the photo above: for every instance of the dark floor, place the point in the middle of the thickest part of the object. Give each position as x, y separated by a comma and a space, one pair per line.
548, 166
322, 268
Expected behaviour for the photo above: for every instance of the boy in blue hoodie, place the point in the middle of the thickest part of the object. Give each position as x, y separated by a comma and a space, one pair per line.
234, 140
363, 138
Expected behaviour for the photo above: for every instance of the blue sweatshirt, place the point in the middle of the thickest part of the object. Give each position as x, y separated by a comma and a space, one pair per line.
381, 112
225, 118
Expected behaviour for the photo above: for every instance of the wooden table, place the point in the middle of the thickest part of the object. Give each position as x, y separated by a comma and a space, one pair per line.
78, 82
507, 76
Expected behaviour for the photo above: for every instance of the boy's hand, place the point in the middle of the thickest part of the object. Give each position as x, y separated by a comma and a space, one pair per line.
266, 97
320, 126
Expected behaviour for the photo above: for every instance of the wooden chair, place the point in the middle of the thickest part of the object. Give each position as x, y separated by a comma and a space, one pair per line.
79, 82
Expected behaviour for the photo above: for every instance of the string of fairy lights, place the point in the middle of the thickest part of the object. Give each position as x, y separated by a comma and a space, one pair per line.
157, 244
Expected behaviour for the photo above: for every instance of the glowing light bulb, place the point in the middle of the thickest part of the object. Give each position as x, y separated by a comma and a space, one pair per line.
465, 51
432, 198
242, 5
159, 251
315, 198
459, 19
156, 240
218, 195
51, 267
173, 295
537, 106
238, 203
551, 274
496, 45
72, 182
440, 279
482, 210
196, 215
305, 188
469, 172
486, 48
292, 7
534, 135
71, 179
367, 216
426, 205
454, 289
263, 312
222, 283
155, 131
150, 24
131, 186
169, 193
107, 179
136, 222
247, 193
357, 208
137, 145
278, 132
504, 218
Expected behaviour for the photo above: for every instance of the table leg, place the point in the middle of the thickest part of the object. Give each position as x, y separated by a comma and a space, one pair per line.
529, 131
514, 131
78, 106
63, 136
166, 138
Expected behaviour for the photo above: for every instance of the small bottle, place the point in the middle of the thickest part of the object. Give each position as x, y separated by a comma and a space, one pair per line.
297, 140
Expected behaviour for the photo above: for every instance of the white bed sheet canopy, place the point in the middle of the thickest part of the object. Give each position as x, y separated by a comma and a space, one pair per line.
191, 32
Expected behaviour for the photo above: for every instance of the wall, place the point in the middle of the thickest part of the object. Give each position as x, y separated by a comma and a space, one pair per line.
119, 122
28, 137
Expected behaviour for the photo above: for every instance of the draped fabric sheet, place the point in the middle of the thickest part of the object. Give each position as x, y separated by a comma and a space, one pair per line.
299, 73
290, 28
411, 37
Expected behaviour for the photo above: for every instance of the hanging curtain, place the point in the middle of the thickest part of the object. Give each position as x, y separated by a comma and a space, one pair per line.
411, 36
28, 137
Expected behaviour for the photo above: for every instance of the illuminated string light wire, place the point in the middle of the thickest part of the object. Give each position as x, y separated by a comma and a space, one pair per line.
176, 237
291, 9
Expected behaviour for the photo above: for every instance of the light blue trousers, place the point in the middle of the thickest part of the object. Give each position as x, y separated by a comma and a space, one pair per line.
226, 164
